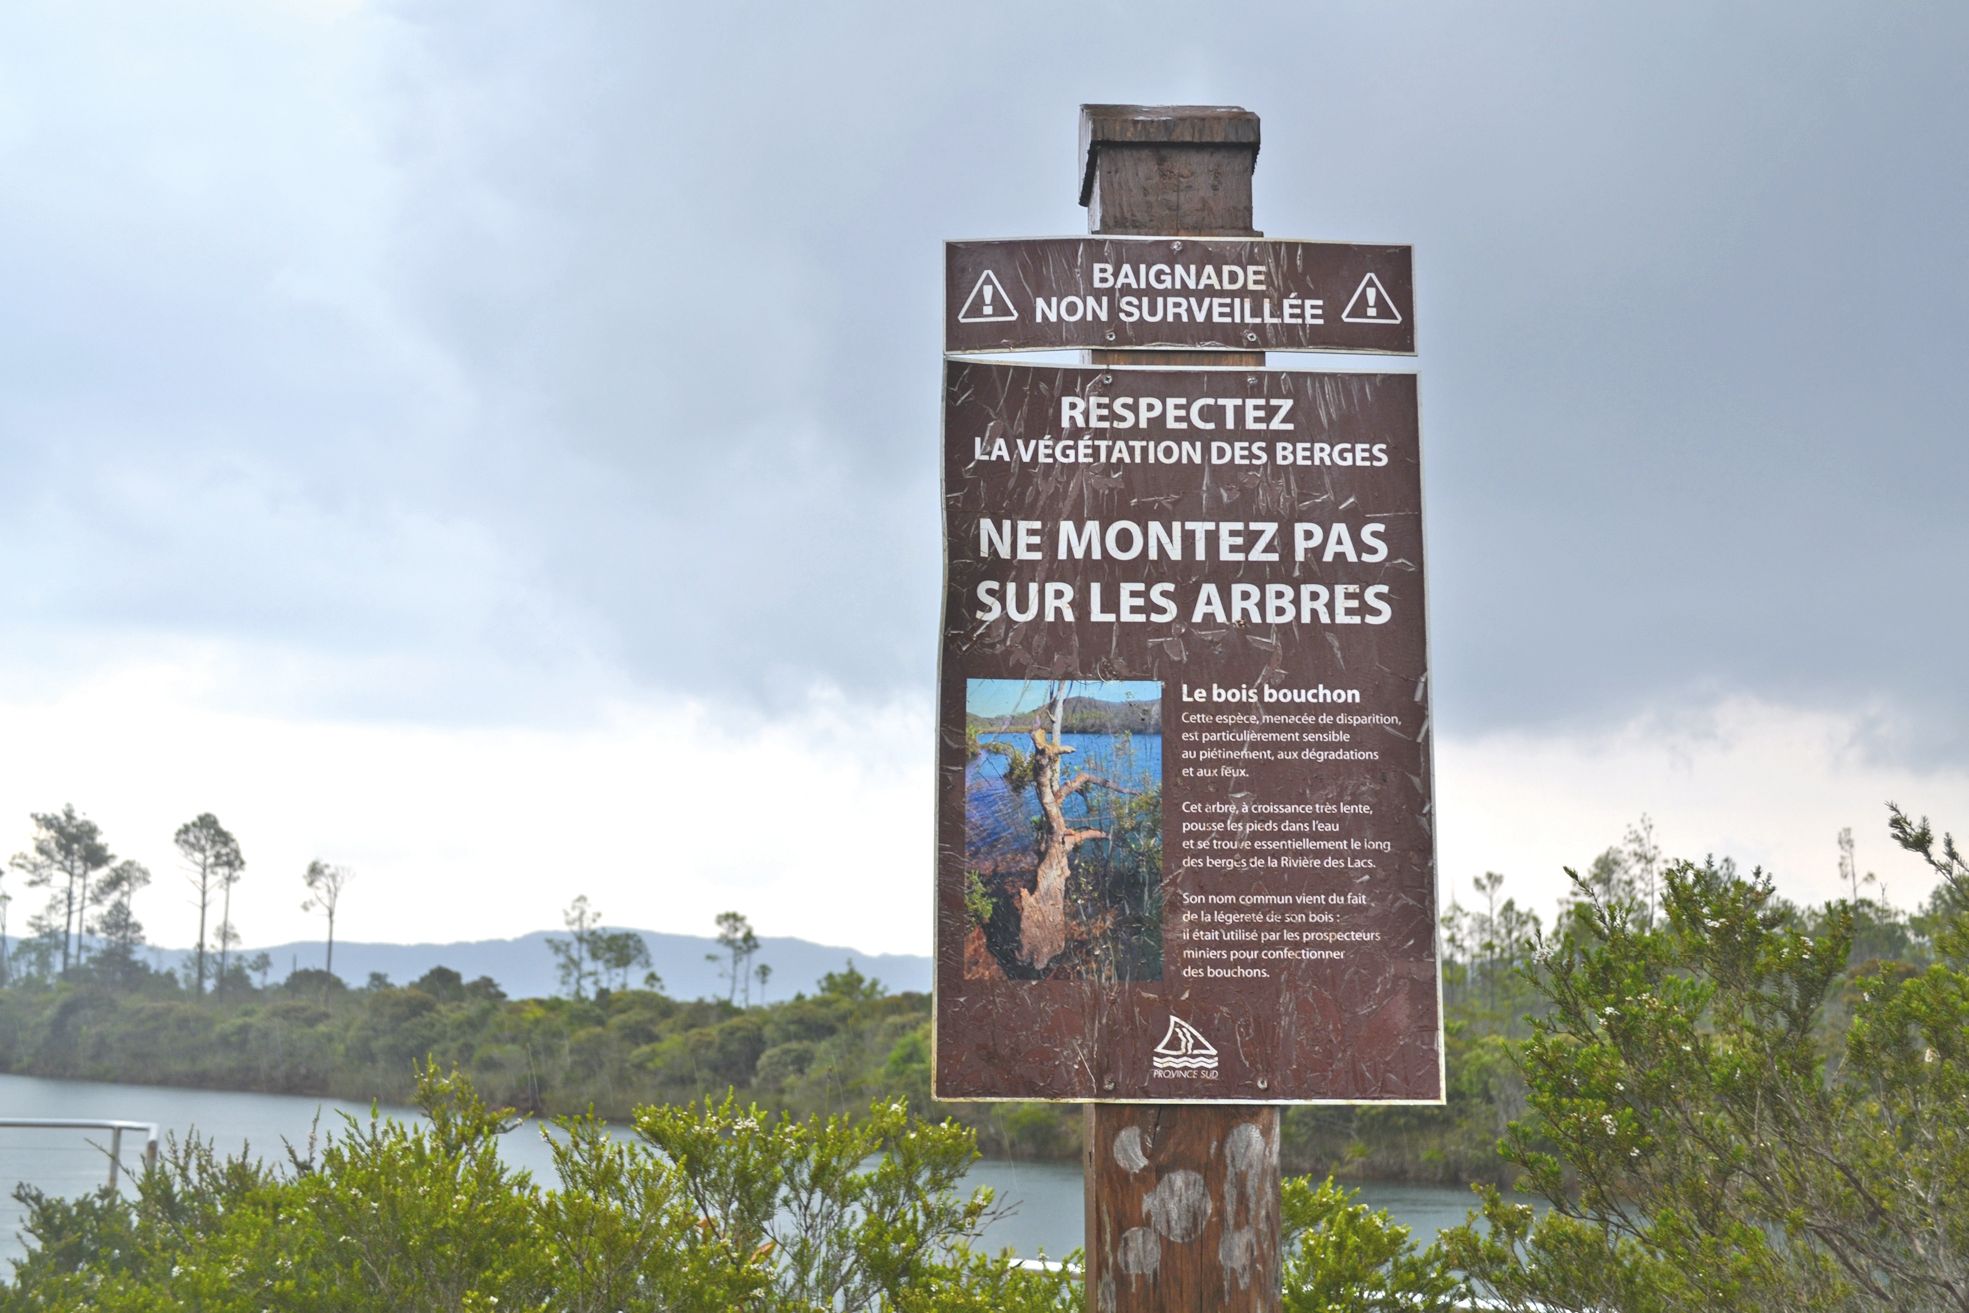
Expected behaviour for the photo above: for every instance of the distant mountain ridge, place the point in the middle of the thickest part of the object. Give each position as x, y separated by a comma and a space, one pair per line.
1083, 715
525, 967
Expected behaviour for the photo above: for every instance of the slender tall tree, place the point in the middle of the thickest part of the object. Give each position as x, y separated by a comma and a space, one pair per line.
1849, 871
228, 935
68, 850
740, 943
325, 885
1643, 856
212, 859
576, 954
1491, 942
122, 934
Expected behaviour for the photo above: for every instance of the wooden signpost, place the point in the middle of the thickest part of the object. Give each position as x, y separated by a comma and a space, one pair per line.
1185, 851
1188, 172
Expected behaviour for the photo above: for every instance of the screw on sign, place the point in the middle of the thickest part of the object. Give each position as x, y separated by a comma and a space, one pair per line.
1185, 857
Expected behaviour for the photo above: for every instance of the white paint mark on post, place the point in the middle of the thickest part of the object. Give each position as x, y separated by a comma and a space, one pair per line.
1178, 1206
1245, 1156
1128, 1154
1139, 1252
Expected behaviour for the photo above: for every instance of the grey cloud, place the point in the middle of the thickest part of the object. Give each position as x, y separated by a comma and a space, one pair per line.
534, 345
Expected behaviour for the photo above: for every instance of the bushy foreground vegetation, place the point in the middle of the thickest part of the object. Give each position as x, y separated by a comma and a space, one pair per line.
1727, 1113
709, 1209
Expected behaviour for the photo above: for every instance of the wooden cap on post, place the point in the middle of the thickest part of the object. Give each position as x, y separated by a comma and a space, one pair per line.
1173, 170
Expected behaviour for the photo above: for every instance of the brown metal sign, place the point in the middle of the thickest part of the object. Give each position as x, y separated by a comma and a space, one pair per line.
1184, 837
1177, 293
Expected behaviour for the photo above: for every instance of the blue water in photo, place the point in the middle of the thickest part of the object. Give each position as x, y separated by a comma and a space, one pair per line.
999, 822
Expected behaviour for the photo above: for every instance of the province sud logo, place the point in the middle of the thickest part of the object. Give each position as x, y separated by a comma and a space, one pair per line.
1184, 1049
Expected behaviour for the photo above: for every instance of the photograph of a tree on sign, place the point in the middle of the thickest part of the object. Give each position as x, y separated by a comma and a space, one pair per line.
1063, 830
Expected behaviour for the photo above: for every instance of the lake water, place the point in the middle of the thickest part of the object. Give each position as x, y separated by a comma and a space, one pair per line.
999, 820
1046, 1196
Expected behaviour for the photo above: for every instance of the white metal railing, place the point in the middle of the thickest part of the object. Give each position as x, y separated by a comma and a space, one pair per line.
116, 1130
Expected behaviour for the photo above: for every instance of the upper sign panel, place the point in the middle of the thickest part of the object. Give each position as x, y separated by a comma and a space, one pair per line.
1177, 293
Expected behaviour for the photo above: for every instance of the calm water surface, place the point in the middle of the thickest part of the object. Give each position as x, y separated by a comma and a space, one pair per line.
1046, 1196
997, 819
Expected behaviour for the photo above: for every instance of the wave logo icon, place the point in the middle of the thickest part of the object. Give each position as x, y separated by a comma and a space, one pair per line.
1184, 1049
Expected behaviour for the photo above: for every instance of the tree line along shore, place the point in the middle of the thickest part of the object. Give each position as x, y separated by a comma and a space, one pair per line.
612, 1040
1728, 1102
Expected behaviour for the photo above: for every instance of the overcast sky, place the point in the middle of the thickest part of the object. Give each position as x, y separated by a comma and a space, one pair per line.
494, 446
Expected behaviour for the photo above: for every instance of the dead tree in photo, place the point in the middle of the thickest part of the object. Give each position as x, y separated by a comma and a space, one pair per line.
1043, 908
325, 885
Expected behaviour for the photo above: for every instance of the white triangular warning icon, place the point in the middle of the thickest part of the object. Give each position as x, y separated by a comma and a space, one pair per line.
987, 303
1371, 305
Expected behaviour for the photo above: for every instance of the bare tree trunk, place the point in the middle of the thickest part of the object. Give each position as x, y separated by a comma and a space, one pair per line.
1043, 909
82, 921
204, 901
225, 929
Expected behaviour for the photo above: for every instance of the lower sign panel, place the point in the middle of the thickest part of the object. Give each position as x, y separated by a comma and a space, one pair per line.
1184, 832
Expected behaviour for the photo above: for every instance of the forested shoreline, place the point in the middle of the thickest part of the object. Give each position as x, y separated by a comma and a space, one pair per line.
1727, 1102
830, 1052
613, 1041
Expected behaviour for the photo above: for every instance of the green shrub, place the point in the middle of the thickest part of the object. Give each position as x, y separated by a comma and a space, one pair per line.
710, 1208
1343, 1257
1707, 1144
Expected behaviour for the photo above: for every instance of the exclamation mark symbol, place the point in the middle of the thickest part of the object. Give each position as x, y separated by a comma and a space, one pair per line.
1370, 304
983, 305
